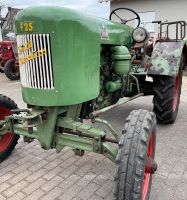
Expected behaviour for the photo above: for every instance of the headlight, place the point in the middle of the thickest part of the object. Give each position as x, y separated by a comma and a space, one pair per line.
139, 35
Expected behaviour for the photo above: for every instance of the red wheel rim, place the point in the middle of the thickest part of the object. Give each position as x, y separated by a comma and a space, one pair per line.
147, 176
6, 139
176, 93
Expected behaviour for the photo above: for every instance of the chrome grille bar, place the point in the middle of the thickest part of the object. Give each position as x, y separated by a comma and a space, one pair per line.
35, 61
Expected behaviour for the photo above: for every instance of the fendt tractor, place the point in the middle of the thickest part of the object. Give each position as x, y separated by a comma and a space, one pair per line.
75, 67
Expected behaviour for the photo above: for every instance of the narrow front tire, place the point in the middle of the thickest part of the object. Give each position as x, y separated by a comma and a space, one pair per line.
135, 159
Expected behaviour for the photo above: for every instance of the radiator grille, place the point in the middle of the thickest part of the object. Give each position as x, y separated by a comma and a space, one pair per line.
35, 62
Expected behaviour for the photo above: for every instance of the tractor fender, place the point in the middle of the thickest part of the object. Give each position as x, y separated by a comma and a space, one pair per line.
166, 58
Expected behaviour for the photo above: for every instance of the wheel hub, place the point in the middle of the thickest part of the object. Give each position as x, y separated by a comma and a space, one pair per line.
151, 166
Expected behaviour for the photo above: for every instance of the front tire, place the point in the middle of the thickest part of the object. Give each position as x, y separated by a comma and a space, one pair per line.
9, 140
132, 181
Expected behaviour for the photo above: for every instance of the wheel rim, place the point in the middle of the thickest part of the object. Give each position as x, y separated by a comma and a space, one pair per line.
176, 93
147, 176
6, 139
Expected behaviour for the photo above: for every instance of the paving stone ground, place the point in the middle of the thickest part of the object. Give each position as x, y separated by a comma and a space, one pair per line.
32, 173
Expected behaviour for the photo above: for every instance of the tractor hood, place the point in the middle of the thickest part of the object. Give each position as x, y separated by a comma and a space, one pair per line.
59, 54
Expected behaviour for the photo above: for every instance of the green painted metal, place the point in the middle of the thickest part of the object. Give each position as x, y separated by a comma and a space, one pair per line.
112, 86
76, 39
33, 126
69, 123
46, 130
109, 151
85, 144
74, 142
19, 129
82, 136
110, 127
166, 58
122, 57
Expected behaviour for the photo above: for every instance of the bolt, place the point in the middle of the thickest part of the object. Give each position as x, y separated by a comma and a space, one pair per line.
154, 167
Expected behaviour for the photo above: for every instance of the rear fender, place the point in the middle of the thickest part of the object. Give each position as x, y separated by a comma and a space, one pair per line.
166, 58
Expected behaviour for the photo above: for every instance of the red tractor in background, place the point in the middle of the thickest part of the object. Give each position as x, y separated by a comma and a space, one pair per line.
9, 56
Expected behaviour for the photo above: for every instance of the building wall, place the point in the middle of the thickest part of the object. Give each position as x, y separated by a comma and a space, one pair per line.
171, 10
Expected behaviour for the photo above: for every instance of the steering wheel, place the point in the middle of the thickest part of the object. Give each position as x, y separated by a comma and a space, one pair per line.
124, 21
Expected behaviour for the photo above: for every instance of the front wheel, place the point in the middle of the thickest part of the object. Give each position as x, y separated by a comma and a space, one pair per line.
135, 159
9, 140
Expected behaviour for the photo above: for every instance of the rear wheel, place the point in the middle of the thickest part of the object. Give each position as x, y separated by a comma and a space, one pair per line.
135, 159
9, 140
12, 70
166, 99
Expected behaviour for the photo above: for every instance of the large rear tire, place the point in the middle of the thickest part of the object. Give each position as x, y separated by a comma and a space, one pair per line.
167, 91
10, 70
133, 177
9, 140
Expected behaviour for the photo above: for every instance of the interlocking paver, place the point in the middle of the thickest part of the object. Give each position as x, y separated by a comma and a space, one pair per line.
19, 176
7, 169
6, 177
86, 179
52, 183
88, 191
15, 188
37, 194
181, 191
22, 167
17, 196
36, 175
105, 189
69, 181
38, 165
4, 186
34, 186
53, 194
32, 173
71, 192
53, 172
68, 171
95, 197
2, 197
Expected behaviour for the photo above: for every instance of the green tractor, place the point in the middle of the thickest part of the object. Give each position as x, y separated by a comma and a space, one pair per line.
74, 67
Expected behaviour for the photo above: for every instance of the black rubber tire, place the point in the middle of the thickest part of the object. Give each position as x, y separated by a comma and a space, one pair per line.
132, 155
1, 68
10, 104
9, 72
163, 98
